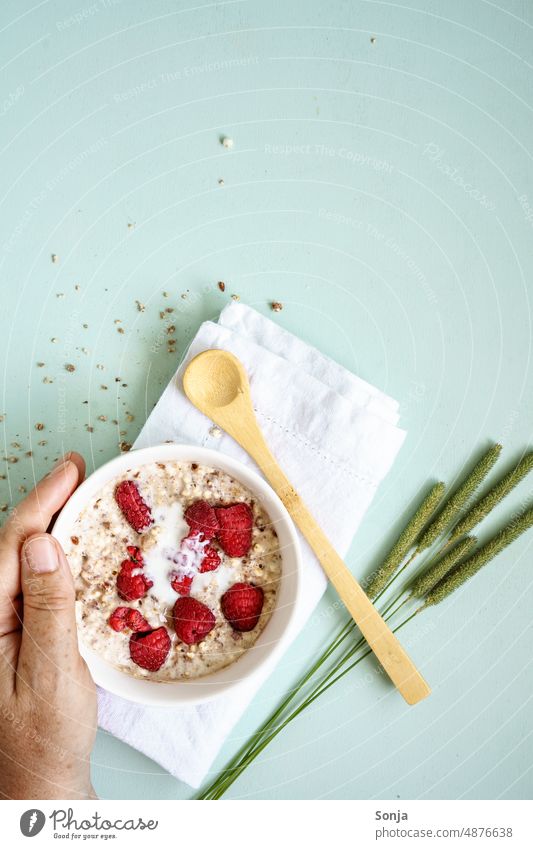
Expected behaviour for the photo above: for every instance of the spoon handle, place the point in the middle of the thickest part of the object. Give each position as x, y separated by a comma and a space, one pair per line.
378, 635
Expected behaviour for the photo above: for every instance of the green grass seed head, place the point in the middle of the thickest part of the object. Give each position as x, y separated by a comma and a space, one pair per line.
454, 504
441, 567
405, 541
483, 506
469, 567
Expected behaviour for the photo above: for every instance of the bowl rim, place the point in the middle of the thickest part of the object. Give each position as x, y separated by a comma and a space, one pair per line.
195, 691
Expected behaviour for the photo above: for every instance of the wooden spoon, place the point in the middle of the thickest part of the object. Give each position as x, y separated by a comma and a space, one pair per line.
217, 384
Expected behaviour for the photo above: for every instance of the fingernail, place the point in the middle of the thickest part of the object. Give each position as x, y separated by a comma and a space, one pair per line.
60, 466
40, 554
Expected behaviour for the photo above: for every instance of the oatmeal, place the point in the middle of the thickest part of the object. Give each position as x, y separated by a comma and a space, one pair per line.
176, 567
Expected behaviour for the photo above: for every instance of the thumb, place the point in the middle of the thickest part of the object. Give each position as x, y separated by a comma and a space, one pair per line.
49, 646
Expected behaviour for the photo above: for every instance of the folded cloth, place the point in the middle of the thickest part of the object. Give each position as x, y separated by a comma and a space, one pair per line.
336, 438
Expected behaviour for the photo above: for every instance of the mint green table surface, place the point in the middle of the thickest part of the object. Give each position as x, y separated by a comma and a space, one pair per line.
380, 187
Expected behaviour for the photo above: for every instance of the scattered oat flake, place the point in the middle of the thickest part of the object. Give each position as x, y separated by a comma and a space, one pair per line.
70, 367
42, 442
227, 142
125, 446
60, 294
12, 459
22, 488
89, 428
169, 310
40, 365
131, 225
29, 453
215, 432
170, 329
16, 445
277, 306
140, 306
184, 296
373, 39
39, 426
4, 508
165, 294
54, 339
100, 366
54, 258
235, 297
221, 285
48, 380
102, 418
120, 330
221, 182
85, 326
77, 287
103, 386
130, 417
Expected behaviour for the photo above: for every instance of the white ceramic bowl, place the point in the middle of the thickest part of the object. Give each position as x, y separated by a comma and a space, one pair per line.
275, 636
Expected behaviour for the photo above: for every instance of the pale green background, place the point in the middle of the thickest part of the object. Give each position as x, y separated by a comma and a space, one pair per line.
381, 257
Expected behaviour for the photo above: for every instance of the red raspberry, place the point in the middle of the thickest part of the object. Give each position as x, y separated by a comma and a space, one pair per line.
132, 586
128, 617
242, 605
136, 554
211, 560
150, 649
192, 620
133, 505
202, 519
181, 584
117, 620
136, 621
235, 529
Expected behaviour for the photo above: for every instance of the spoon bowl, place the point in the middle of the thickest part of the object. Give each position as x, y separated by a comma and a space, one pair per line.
216, 379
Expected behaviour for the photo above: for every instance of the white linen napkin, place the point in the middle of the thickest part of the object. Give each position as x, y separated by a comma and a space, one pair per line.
336, 438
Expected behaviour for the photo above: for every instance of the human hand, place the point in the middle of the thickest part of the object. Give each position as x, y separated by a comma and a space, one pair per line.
47, 696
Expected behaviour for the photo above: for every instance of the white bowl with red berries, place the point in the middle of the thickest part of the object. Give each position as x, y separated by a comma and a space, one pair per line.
187, 573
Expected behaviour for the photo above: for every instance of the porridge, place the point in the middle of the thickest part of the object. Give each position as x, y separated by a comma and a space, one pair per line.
176, 567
